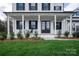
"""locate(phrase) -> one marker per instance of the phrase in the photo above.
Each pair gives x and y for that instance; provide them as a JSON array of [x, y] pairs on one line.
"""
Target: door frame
[[46, 25]]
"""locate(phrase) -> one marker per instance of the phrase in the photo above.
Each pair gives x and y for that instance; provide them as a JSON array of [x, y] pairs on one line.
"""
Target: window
[[32, 24], [20, 6], [58, 25], [19, 24], [45, 6], [32, 6], [57, 7], [77, 13]]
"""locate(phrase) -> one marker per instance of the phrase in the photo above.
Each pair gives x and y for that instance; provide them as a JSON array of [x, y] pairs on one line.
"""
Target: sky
[[7, 7]]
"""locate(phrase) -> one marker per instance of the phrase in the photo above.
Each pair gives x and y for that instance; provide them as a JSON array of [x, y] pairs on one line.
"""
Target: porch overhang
[[65, 13]]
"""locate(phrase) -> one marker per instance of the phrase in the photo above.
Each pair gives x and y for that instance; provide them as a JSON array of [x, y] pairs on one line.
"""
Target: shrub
[[59, 33], [19, 35], [3, 35], [66, 34], [27, 35], [36, 34], [75, 34], [12, 35]]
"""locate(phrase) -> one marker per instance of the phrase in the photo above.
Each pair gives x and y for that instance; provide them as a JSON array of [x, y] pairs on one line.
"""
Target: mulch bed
[[68, 38], [17, 39]]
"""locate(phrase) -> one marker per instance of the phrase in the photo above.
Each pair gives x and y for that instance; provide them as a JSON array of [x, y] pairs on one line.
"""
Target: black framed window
[[45, 6], [57, 7], [19, 24], [20, 6], [33, 24], [58, 25], [32, 6]]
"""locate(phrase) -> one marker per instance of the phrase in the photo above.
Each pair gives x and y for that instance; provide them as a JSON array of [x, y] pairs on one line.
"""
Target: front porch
[[44, 23]]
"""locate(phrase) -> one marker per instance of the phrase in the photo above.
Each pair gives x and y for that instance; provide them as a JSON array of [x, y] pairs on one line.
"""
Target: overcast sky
[[7, 7]]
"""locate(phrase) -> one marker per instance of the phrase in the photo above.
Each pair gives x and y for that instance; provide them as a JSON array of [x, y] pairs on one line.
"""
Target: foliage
[[66, 34], [36, 34], [20, 34], [59, 33], [75, 34], [12, 35], [27, 35], [3, 35]]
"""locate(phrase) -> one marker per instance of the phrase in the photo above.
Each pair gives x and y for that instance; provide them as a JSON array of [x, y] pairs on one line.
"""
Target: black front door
[[45, 26]]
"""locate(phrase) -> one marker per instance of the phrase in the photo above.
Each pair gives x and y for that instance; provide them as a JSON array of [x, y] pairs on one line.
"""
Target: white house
[[45, 18]]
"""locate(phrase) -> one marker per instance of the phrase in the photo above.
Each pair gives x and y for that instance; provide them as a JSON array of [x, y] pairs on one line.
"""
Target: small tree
[[75, 34], [12, 35], [27, 34], [19, 35], [66, 34], [36, 34]]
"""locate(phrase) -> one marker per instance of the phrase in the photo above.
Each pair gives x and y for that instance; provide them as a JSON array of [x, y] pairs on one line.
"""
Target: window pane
[[32, 24], [58, 25], [20, 6], [43, 25], [48, 25], [45, 6], [57, 7], [32, 6]]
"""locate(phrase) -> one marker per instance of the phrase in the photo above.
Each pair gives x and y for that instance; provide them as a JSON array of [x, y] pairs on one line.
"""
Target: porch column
[[55, 23], [39, 25], [14, 28], [23, 26], [8, 28], [71, 25]]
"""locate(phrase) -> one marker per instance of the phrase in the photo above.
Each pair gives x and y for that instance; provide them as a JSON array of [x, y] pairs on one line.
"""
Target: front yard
[[39, 47]]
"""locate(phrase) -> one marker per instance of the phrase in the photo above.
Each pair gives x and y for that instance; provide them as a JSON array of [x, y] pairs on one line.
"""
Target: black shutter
[[29, 6], [48, 6], [36, 6]]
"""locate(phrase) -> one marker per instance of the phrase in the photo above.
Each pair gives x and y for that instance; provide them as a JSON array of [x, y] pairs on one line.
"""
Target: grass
[[40, 48]]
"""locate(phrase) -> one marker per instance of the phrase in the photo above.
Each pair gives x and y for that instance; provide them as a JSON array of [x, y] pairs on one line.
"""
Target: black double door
[[45, 26]]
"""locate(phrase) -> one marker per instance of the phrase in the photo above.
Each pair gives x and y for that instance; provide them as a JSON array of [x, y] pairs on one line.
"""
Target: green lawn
[[39, 48]]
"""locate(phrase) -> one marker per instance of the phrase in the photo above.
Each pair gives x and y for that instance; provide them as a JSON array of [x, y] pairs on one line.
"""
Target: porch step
[[47, 36]]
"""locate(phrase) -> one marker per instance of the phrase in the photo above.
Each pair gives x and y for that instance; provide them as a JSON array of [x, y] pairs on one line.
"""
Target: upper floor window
[[45, 6], [57, 7], [32, 6], [20, 6]]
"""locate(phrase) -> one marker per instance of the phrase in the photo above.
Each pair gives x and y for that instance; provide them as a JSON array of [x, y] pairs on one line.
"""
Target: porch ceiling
[[44, 15]]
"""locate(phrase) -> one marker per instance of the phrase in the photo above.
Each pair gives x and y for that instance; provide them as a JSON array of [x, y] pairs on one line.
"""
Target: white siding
[[39, 8]]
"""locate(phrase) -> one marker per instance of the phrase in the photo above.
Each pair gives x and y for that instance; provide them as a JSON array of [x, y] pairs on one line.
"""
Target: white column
[[8, 28], [23, 26], [55, 23], [39, 25], [70, 24], [14, 28], [51, 26]]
